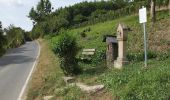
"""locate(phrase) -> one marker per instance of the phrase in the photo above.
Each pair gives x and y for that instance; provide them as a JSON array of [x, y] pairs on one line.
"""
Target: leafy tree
[[15, 36], [42, 10], [79, 19], [33, 15], [2, 41], [85, 13]]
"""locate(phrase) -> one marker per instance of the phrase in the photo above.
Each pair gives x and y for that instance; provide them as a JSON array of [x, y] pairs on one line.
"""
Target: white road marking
[[29, 76]]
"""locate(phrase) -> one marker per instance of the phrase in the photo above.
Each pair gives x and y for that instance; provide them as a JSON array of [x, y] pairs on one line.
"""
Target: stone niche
[[116, 48], [111, 50]]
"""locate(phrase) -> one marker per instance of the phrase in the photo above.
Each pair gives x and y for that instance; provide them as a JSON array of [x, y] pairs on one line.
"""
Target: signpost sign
[[142, 15], [4, 34], [143, 20]]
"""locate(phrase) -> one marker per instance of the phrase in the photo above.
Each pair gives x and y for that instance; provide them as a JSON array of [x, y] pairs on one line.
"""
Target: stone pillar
[[122, 42]]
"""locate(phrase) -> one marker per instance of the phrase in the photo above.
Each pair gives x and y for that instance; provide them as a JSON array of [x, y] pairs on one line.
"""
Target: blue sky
[[16, 11]]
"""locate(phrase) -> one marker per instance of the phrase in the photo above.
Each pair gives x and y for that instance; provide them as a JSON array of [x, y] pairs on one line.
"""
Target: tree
[[79, 19], [153, 11], [33, 15], [2, 40], [43, 9], [15, 36]]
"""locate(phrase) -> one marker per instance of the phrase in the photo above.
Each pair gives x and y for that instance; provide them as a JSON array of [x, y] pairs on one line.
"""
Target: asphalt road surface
[[15, 69]]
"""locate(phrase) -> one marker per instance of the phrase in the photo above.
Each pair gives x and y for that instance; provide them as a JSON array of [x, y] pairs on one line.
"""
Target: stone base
[[119, 63], [110, 65], [68, 80]]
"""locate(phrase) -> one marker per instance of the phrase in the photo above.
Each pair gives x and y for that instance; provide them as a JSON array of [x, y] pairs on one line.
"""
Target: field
[[134, 82]]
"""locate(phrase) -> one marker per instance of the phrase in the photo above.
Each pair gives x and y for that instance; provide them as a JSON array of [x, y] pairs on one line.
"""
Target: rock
[[68, 80], [48, 97], [90, 89]]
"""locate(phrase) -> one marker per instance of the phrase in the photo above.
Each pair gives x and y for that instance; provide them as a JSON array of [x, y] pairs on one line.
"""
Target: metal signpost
[[143, 20]]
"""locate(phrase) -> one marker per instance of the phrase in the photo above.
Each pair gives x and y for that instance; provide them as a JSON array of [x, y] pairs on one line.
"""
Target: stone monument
[[122, 42], [112, 49]]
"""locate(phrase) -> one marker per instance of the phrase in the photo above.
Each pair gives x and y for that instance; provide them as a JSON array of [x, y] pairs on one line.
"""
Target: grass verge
[[47, 75]]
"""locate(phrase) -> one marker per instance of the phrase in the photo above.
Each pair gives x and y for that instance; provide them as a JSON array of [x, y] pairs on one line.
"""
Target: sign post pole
[[143, 20], [145, 43]]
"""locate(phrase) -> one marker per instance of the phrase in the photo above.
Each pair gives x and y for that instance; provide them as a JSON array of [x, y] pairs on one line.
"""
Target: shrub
[[2, 41], [140, 56], [83, 34], [100, 56], [28, 36], [15, 36], [66, 48]]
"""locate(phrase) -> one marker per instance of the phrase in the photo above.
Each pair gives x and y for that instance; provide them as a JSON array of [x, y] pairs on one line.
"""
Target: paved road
[[15, 68]]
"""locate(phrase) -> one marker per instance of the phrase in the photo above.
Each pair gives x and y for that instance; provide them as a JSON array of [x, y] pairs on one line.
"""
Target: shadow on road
[[19, 55]]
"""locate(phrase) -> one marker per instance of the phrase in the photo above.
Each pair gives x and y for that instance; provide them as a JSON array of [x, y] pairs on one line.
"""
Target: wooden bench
[[87, 53]]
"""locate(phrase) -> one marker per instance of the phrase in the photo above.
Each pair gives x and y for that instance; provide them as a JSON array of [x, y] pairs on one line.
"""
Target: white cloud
[[11, 2]]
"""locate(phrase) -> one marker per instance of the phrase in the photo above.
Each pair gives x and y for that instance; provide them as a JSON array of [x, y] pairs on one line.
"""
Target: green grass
[[135, 37], [133, 82]]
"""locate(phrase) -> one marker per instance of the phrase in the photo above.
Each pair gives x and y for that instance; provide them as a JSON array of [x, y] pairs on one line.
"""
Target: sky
[[16, 11]]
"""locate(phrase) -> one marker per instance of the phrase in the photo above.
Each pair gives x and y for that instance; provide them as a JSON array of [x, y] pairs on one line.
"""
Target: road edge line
[[31, 72]]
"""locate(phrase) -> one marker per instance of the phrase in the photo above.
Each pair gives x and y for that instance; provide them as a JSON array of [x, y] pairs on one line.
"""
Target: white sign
[[4, 34], [142, 15]]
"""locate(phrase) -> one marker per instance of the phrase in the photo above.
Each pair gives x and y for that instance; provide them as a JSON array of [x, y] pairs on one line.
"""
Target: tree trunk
[[153, 11]]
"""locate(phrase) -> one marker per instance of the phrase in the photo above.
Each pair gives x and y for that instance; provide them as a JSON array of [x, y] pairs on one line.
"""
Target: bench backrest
[[88, 51]]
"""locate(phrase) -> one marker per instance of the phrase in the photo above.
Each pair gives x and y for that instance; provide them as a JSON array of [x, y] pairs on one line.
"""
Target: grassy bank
[[133, 82], [157, 35], [137, 83], [47, 75]]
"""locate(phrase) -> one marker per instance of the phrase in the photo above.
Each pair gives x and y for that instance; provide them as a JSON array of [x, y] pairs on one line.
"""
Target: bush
[[100, 56], [140, 56], [28, 36], [83, 34], [2, 41], [15, 37], [66, 48]]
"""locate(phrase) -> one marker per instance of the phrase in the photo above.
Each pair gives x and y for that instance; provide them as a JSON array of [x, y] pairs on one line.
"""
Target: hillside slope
[[133, 82], [158, 36]]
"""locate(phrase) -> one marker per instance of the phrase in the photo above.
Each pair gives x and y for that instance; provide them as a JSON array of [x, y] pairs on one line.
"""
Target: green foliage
[[82, 14], [42, 10], [100, 55], [15, 36], [28, 36], [70, 93], [135, 83], [66, 48], [79, 19], [38, 30], [83, 33], [2, 41], [140, 56]]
